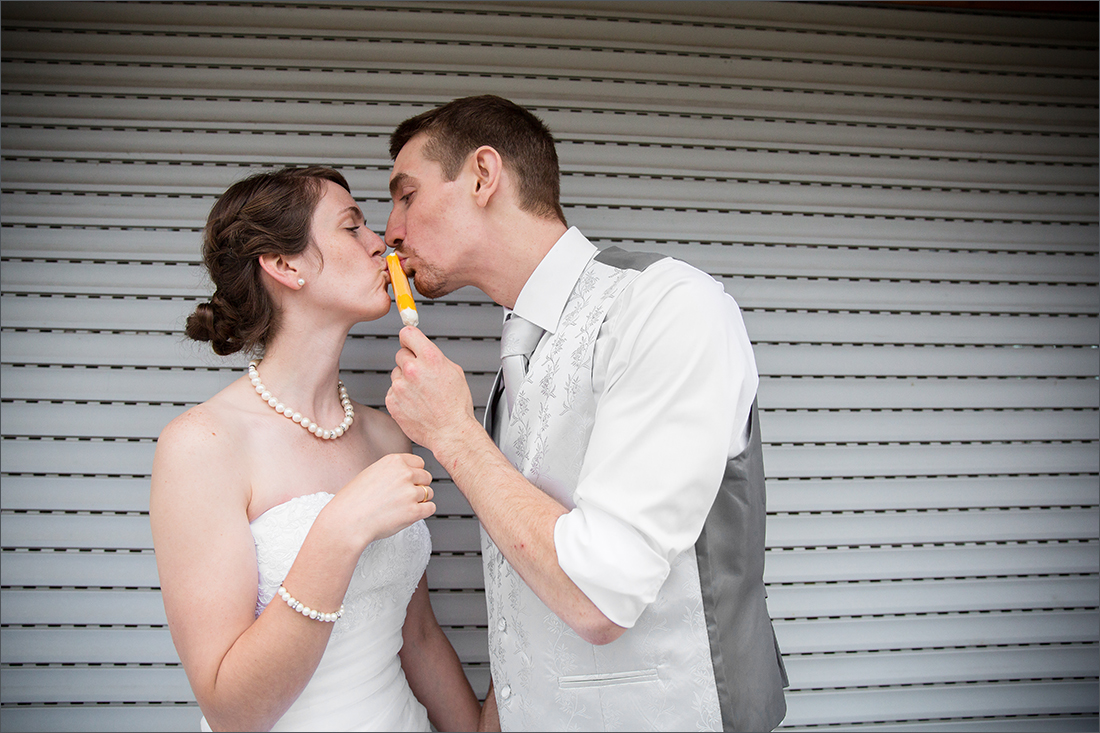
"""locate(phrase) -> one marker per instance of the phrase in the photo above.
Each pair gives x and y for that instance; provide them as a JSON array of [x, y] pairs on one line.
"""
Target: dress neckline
[[285, 503]]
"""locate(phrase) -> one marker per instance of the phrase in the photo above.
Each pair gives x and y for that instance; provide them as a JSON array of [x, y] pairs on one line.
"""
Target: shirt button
[[505, 692], [501, 625]]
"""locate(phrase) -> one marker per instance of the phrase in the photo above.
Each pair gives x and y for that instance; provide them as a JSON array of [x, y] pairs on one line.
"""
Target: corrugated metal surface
[[902, 199]]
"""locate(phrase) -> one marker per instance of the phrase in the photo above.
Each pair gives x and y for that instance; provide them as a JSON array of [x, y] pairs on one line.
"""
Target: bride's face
[[348, 276]]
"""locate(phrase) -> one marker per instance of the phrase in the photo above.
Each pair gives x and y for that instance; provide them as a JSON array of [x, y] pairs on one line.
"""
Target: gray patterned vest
[[702, 656]]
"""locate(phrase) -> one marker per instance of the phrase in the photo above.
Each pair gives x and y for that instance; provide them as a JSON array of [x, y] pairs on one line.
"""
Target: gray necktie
[[517, 341]]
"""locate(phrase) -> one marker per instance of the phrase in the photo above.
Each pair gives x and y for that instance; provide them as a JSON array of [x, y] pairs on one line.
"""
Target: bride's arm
[[246, 671], [490, 716], [433, 669]]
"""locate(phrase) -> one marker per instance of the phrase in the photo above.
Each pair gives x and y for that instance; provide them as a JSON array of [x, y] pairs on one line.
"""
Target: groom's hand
[[428, 395]]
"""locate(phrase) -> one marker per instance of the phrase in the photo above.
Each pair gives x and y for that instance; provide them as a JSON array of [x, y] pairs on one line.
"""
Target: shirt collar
[[543, 297]]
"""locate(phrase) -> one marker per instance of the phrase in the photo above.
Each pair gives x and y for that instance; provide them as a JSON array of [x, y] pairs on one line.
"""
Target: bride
[[288, 525]]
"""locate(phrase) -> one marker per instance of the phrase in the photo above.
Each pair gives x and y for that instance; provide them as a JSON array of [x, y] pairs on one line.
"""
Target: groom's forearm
[[520, 518], [430, 400]]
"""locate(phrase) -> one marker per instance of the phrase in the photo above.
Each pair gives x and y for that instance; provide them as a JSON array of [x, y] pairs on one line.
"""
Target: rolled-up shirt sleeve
[[675, 379]]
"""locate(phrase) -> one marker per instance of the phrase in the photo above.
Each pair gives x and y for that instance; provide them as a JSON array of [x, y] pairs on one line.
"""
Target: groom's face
[[428, 226]]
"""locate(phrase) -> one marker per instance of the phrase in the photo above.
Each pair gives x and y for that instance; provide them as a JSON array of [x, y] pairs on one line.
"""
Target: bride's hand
[[386, 497]]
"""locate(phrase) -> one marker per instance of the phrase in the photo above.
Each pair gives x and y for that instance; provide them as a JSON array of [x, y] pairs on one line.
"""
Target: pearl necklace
[[305, 422]]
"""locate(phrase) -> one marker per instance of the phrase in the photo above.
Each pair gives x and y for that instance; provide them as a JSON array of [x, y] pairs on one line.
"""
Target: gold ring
[[425, 496]]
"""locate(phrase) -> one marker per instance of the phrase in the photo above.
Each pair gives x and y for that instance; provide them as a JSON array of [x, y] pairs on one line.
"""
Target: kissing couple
[[617, 476]]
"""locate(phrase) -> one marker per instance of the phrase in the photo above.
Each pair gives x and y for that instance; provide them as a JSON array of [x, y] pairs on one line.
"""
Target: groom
[[623, 512]]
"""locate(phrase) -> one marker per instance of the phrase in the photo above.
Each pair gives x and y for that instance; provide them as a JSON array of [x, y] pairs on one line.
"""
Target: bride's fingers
[[412, 459]]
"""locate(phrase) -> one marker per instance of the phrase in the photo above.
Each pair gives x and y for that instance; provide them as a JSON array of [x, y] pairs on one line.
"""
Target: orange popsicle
[[402, 293]]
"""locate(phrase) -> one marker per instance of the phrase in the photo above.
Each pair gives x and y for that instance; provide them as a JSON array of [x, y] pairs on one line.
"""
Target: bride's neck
[[303, 370]]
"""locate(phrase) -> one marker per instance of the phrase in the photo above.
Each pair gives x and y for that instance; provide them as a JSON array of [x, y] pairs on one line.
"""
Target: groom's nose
[[395, 230]]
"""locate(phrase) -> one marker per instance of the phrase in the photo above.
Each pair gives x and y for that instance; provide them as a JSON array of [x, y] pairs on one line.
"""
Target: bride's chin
[[378, 309]]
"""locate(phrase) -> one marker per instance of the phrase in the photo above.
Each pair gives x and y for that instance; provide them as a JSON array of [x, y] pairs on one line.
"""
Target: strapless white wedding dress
[[359, 683]]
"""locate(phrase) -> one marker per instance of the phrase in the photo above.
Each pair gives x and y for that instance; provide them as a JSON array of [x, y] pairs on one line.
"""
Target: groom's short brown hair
[[460, 127]]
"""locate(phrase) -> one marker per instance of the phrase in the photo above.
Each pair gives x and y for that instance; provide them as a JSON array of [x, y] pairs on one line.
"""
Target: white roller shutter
[[902, 198]]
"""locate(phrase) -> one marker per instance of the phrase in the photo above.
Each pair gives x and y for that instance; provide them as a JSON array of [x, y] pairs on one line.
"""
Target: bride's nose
[[377, 244]]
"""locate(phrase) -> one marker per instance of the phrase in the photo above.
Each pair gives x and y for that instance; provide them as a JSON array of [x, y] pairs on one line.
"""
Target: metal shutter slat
[[809, 495], [145, 607], [975, 557], [925, 667], [151, 717], [993, 702], [801, 426], [931, 596], [915, 632]]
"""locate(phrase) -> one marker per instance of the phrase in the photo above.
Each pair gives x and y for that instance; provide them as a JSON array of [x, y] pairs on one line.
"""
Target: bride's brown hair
[[267, 213]]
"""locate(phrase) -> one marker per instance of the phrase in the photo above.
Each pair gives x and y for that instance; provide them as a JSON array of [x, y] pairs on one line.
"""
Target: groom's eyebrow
[[397, 182]]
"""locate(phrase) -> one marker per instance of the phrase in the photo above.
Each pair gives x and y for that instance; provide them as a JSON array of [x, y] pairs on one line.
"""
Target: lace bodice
[[359, 683], [385, 577]]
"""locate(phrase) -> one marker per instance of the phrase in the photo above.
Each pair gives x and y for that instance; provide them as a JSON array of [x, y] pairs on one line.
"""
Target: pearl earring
[[301, 282]]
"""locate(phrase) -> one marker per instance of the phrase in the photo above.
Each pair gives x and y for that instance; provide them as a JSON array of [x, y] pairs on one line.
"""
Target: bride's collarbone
[[291, 466]]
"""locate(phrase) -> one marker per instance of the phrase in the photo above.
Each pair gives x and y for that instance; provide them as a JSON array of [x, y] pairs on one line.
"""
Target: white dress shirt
[[675, 379]]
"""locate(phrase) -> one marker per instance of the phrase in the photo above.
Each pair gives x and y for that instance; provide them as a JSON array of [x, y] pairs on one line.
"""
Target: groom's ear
[[488, 174], [282, 269]]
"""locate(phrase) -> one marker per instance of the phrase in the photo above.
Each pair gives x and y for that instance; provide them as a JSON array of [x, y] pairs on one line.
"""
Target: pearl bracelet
[[308, 612]]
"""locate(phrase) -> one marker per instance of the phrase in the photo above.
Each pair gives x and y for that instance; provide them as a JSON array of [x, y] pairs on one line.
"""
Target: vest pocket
[[606, 680]]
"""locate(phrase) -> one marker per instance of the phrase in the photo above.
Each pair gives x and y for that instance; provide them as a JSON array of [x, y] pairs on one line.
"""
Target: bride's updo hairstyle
[[267, 213]]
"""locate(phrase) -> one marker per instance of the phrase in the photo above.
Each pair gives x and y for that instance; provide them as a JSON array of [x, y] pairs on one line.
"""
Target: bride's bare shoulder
[[207, 443], [206, 422]]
